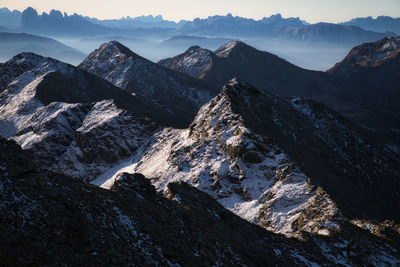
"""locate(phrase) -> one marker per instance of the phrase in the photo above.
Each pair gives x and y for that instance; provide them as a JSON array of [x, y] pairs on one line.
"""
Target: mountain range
[[250, 159], [313, 46], [275, 26], [379, 24]]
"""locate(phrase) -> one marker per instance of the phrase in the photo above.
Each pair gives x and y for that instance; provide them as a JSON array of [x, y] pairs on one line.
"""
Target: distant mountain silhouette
[[137, 22], [10, 19], [380, 24], [56, 23], [273, 28], [280, 29]]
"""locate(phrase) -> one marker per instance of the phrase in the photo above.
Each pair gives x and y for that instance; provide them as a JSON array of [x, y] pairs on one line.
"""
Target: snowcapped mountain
[[135, 74], [71, 120], [196, 62], [290, 166], [346, 93]]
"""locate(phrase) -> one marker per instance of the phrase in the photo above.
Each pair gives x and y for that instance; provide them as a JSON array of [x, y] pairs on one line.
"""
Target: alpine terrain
[[227, 158]]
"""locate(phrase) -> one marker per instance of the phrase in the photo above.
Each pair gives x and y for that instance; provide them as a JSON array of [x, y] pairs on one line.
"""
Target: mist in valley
[[313, 57]]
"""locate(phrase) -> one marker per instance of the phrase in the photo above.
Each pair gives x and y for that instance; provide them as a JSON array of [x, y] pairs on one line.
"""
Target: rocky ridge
[[287, 165]]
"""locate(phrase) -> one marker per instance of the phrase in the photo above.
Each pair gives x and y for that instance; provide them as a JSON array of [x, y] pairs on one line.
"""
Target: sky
[[309, 10]]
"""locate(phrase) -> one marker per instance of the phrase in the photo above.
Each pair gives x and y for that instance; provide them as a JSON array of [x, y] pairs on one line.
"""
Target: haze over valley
[[315, 46]]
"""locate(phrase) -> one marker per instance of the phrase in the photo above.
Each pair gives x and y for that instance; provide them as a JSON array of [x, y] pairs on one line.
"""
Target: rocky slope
[[135, 74], [49, 219], [290, 166], [269, 72], [71, 120]]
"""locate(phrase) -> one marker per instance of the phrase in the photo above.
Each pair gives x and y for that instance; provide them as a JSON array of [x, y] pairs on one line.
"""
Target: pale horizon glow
[[310, 10]]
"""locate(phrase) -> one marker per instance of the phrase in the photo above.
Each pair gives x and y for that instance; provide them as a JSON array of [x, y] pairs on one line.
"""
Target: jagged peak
[[28, 56], [118, 46], [28, 61], [196, 49], [235, 85], [226, 49], [35, 59], [112, 49]]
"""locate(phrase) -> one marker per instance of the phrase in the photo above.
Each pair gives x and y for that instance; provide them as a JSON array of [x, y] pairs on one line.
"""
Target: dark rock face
[[49, 218]]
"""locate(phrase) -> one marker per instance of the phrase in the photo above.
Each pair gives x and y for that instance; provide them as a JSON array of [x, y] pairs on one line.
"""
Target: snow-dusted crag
[[56, 111], [196, 61], [135, 74], [282, 164]]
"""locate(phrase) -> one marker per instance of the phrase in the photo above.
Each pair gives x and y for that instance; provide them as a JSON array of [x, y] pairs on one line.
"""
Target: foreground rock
[[52, 219]]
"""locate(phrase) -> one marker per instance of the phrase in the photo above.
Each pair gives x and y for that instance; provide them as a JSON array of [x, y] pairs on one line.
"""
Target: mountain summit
[[135, 74]]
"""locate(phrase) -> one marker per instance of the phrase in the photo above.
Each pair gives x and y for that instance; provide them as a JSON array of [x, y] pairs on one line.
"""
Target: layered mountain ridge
[[344, 93]]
